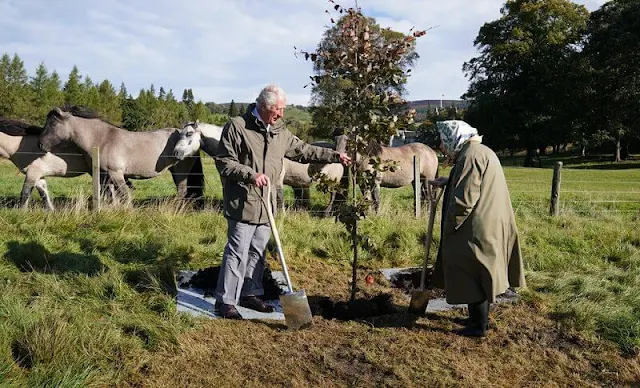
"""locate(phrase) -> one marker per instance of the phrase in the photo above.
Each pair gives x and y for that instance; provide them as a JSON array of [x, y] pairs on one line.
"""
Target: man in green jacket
[[249, 157]]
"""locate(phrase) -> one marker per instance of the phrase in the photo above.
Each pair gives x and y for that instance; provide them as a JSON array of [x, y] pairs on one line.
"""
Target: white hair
[[270, 95]]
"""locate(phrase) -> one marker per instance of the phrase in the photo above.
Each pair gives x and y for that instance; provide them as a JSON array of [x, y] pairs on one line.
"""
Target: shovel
[[420, 298], [295, 304]]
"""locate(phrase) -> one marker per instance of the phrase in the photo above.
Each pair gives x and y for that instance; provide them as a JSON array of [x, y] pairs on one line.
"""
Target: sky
[[231, 49]]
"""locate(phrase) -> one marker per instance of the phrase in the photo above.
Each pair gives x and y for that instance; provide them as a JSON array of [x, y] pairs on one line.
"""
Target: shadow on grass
[[32, 256], [609, 166], [576, 161]]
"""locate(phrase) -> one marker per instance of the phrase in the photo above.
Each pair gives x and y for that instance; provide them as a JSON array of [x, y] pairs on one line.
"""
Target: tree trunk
[[583, 151], [618, 148], [530, 159], [626, 151]]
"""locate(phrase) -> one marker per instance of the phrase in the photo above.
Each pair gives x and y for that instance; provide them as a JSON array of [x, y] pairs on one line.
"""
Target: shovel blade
[[297, 312], [419, 302]]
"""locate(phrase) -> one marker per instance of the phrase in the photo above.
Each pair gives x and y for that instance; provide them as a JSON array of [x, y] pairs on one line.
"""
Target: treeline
[[30, 98], [550, 73]]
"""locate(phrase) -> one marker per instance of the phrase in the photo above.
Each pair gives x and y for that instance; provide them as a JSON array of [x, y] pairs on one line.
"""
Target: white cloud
[[225, 49]]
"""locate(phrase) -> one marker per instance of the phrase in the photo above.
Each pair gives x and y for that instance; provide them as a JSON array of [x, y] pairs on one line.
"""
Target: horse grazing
[[402, 156], [124, 154]]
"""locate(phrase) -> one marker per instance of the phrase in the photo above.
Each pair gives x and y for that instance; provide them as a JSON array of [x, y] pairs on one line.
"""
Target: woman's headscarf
[[454, 133]]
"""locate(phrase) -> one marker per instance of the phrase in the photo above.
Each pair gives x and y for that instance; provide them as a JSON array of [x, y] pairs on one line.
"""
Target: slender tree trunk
[[618, 148]]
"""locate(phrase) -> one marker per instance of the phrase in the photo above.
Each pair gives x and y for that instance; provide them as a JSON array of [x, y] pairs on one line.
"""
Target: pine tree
[[14, 93], [73, 90], [233, 110], [45, 94], [123, 94], [110, 102]]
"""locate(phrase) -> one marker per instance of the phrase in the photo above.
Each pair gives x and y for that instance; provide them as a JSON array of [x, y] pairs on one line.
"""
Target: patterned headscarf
[[454, 133]]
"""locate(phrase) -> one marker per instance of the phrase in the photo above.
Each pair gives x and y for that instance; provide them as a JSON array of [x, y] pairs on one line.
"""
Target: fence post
[[555, 189], [416, 186], [95, 174]]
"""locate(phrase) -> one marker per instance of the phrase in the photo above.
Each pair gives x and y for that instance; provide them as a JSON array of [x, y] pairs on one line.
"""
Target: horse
[[124, 154], [302, 175], [402, 156], [196, 135], [19, 144]]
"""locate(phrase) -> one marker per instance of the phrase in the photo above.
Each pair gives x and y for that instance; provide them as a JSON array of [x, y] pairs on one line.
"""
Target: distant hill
[[417, 104], [432, 104]]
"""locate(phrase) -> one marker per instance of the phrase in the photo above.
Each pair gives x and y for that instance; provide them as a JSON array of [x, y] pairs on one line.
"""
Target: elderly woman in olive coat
[[479, 254]]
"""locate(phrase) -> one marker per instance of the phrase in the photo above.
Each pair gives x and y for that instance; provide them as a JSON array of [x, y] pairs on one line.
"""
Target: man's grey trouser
[[243, 262]]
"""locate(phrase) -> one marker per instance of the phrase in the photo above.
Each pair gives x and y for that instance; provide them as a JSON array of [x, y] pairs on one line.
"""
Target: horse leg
[[306, 197], [41, 186], [188, 177], [329, 209], [25, 193], [121, 188], [280, 198], [376, 198], [298, 195]]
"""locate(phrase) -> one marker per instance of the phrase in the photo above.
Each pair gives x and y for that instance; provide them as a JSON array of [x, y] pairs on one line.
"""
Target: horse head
[[56, 129], [189, 142]]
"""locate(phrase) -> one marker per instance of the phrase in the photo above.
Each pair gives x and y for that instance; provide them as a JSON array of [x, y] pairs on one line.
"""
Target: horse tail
[[195, 183]]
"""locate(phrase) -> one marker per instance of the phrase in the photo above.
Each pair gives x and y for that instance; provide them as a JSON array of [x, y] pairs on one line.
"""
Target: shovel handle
[[276, 236], [433, 203]]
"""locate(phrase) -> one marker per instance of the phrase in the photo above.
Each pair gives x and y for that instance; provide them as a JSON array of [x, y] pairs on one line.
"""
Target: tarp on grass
[[193, 300]]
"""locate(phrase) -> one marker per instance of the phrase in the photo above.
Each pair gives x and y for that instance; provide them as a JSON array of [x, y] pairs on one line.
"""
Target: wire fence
[[602, 194]]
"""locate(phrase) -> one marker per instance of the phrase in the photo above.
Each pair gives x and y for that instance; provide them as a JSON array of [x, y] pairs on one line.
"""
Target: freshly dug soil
[[410, 281], [358, 309], [207, 279]]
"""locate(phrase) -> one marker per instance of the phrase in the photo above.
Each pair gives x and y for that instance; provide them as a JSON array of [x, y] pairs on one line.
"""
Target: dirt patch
[[361, 308], [524, 348], [207, 279], [409, 281]]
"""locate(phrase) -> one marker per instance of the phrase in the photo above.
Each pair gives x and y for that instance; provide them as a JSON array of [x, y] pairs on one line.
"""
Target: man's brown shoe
[[255, 303], [227, 311]]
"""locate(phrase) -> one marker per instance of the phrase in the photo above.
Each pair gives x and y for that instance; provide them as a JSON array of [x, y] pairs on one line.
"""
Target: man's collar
[[255, 113]]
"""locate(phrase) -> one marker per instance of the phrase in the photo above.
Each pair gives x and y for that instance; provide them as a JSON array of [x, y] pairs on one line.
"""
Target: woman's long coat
[[479, 254]]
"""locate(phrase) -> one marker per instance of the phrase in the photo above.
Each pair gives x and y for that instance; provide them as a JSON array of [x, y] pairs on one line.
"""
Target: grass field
[[87, 299]]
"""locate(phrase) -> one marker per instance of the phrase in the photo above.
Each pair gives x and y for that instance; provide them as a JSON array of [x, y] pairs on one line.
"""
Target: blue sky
[[230, 49]]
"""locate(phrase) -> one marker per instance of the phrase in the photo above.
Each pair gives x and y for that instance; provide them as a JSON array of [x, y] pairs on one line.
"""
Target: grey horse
[[301, 176], [196, 135], [402, 156], [124, 154], [19, 144]]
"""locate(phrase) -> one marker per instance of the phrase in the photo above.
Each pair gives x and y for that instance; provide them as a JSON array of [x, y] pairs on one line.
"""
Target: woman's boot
[[478, 320]]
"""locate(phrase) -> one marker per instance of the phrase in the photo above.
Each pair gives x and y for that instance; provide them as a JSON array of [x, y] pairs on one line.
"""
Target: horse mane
[[81, 111], [78, 111], [18, 128]]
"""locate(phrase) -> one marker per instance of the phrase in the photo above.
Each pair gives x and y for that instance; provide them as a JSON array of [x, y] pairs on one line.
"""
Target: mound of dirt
[[206, 280]]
